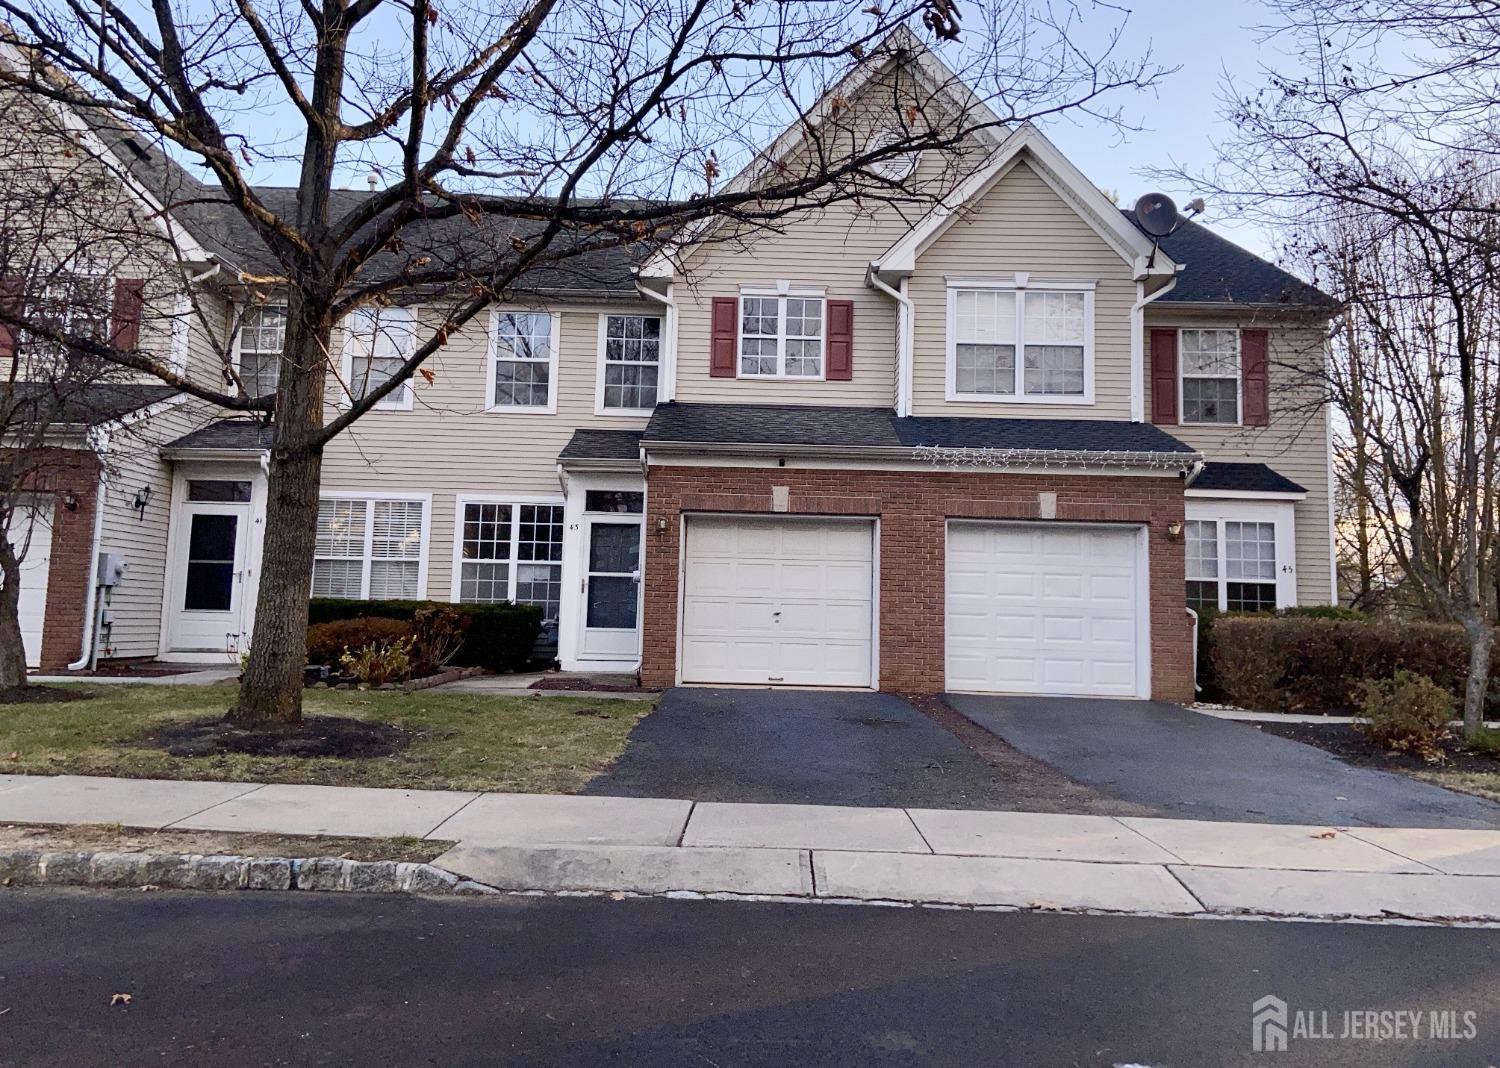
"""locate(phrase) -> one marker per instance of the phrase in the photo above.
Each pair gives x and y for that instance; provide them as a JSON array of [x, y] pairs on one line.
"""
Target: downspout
[[86, 660], [1194, 617], [1138, 347], [670, 347], [904, 338]]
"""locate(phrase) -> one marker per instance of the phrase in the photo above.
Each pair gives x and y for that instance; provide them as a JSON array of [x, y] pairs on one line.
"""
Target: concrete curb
[[192, 871]]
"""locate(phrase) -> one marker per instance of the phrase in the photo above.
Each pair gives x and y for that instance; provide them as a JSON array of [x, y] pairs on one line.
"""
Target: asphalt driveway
[[1192, 766], [821, 748]]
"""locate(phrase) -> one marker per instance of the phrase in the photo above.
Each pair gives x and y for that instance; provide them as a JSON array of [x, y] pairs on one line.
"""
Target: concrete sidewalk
[[1015, 859]]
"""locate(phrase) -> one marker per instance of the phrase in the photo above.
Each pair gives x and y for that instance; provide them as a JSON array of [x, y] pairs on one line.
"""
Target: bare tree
[[509, 140]]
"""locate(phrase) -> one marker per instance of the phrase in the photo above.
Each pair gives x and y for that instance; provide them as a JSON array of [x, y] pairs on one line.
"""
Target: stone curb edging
[[193, 871]]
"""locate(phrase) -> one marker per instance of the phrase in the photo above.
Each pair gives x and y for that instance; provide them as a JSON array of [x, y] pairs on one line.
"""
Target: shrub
[[437, 635], [1289, 663], [327, 642], [1320, 611], [379, 662], [1408, 713], [499, 637]]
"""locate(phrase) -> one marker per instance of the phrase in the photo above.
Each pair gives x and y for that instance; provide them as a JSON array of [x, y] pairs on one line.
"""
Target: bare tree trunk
[[271, 689], [1481, 644], [12, 653]]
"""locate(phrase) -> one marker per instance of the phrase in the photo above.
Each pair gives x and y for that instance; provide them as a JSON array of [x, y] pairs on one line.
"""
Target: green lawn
[[466, 741]]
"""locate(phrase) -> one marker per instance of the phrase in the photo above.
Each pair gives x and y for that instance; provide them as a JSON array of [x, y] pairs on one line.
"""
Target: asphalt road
[[339, 979]]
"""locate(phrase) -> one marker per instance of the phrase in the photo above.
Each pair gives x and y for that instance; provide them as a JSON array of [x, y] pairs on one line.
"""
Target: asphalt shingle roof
[[250, 435], [602, 445], [82, 405], [1217, 271], [1245, 478], [813, 425]]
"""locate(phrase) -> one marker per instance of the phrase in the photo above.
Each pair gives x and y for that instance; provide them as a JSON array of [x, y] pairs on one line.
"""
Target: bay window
[[1020, 342], [511, 552], [369, 548]]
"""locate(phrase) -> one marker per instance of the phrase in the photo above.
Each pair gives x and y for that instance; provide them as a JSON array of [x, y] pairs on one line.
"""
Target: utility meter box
[[111, 569]]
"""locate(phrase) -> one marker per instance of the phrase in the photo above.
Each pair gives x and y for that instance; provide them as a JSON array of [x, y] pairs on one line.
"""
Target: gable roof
[[1055, 169]]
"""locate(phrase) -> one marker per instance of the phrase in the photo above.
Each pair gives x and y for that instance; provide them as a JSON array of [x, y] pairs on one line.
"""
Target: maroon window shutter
[[129, 300], [11, 287], [840, 341], [1255, 366], [1164, 376], [723, 348]]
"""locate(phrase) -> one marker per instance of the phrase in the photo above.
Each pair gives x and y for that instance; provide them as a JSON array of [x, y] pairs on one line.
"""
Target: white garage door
[[1044, 609], [779, 601], [35, 564]]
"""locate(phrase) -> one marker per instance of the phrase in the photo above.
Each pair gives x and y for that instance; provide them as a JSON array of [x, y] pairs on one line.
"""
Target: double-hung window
[[76, 302], [262, 337], [511, 552], [781, 336], [1210, 376], [523, 361], [1231, 565], [630, 362], [377, 342], [369, 548], [1015, 343]]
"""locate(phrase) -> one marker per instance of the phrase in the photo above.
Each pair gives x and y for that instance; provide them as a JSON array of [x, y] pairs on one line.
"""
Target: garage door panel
[[801, 589], [31, 526], [1048, 610]]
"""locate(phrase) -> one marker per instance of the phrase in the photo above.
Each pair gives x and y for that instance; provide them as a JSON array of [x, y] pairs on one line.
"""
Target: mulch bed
[[41, 695], [555, 682], [1345, 741], [315, 736]]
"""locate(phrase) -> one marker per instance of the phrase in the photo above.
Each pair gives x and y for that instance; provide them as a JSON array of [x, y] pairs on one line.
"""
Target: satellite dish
[[1156, 214]]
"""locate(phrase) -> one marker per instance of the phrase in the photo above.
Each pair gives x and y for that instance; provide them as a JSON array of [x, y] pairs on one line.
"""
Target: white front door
[[208, 578], [1042, 608], [612, 589], [777, 601], [31, 527]]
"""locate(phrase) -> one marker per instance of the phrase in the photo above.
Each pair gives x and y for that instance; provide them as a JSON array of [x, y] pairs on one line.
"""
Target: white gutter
[[937, 455], [1138, 347], [905, 337], [669, 353]]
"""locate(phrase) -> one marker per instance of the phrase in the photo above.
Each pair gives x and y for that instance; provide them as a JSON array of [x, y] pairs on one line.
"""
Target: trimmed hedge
[[1303, 662], [500, 636]]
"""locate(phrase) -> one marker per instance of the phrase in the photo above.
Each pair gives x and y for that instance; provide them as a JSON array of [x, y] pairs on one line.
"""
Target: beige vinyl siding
[[829, 250], [1021, 224], [449, 446], [1294, 444], [132, 463]]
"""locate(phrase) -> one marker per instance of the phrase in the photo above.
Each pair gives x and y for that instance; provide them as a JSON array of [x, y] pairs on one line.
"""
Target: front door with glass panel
[[209, 568], [612, 588]]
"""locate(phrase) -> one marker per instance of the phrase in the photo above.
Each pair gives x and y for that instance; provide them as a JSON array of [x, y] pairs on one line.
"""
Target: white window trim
[[492, 359], [661, 352], [780, 293], [1018, 284], [399, 400], [461, 502], [370, 497], [1281, 514], [1239, 377], [239, 333]]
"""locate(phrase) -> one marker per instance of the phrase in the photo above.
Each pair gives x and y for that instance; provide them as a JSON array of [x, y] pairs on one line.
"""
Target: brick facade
[[67, 475], [913, 509]]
